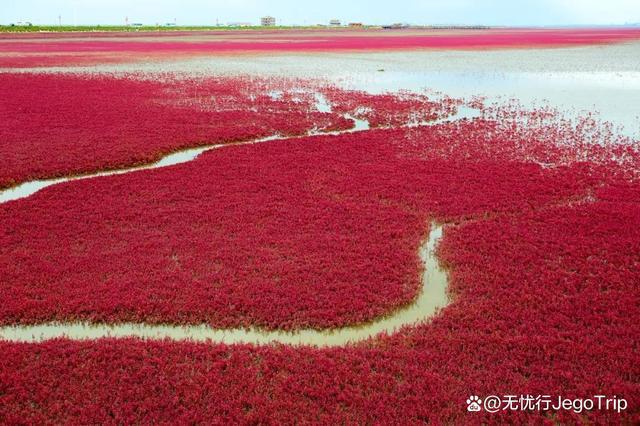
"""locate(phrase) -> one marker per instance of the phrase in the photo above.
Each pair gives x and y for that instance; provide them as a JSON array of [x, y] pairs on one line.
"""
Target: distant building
[[334, 22], [136, 24], [239, 24], [396, 26], [268, 21], [355, 25]]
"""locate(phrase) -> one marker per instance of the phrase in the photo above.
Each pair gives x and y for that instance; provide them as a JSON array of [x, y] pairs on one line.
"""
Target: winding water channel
[[29, 188], [432, 295], [431, 298]]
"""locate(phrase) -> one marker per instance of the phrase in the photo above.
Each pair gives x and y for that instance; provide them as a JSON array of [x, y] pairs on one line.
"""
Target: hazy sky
[[488, 12]]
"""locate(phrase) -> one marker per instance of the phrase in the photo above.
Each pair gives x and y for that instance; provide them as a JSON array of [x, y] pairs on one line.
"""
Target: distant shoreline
[[166, 28], [195, 28]]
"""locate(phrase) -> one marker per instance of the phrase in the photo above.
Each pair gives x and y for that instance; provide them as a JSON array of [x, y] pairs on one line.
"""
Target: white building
[[268, 21]]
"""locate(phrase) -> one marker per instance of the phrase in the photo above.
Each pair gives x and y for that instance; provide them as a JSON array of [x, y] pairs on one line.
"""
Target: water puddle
[[431, 298], [275, 94], [360, 124], [322, 104]]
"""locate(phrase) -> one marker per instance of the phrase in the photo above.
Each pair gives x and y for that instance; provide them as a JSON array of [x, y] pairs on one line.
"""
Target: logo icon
[[473, 404]]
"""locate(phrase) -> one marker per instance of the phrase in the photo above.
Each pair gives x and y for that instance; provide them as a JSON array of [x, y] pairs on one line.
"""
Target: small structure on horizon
[[268, 21], [396, 26], [335, 23], [356, 25]]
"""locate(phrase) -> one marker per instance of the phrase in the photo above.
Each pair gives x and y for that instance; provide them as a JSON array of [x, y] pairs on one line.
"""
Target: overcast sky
[[487, 12]]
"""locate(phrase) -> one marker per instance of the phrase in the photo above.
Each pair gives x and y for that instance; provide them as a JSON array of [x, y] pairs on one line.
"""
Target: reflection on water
[[432, 297], [611, 94]]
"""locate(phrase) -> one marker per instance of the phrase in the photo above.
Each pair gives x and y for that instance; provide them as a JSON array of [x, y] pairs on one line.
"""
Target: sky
[[301, 12]]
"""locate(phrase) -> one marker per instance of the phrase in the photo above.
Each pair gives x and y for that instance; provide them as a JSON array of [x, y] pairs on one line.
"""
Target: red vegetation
[[389, 110], [543, 249], [545, 303], [57, 125], [313, 232], [74, 49]]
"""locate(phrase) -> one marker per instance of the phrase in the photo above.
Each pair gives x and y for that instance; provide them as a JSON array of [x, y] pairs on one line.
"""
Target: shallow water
[[604, 78], [431, 298], [322, 104], [613, 95]]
